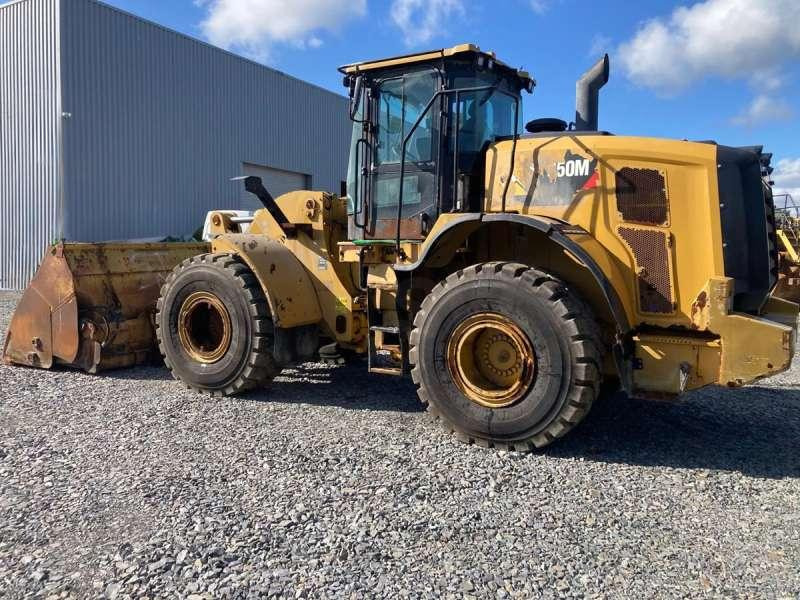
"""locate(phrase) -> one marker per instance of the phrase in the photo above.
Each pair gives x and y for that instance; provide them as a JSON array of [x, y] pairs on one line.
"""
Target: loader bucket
[[91, 306]]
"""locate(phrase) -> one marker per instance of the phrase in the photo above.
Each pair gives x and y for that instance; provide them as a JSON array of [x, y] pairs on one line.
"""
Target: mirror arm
[[356, 89]]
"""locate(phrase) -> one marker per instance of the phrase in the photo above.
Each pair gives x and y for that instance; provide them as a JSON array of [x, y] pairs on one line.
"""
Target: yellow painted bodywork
[[693, 230], [788, 286], [786, 246], [290, 292], [698, 340], [410, 59], [300, 269], [670, 364], [752, 347], [91, 305], [744, 348], [739, 348]]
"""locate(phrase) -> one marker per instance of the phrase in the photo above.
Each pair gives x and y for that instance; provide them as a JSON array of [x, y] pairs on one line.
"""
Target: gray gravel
[[333, 483]]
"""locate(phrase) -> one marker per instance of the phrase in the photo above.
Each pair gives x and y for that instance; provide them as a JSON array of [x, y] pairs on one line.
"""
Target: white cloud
[[253, 26], [540, 6], [787, 177], [767, 80], [763, 108], [421, 20], [733, 39]]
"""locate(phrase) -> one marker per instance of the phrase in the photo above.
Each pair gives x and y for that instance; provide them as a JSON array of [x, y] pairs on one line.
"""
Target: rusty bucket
[[91, 306]]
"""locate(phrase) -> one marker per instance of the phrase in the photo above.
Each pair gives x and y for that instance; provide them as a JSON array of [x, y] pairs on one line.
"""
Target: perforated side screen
[[652, 257], [642, 196]]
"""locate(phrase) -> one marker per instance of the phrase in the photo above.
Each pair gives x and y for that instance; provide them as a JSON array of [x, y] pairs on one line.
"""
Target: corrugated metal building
[[113, 127]]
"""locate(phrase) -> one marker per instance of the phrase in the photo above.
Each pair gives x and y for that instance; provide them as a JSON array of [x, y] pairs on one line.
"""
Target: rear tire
[[213, 326], [526, 364]]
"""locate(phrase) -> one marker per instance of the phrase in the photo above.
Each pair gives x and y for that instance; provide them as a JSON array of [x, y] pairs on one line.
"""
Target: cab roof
[[419, 57]]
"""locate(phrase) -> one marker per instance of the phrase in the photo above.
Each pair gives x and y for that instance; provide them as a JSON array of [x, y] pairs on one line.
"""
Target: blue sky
[[727, 70]]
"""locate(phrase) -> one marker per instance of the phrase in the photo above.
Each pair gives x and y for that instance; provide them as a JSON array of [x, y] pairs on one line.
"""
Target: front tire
[[213, 326], [505, 356]]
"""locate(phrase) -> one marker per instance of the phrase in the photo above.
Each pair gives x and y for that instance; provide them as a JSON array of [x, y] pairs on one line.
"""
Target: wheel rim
[[204, 327], [491, 360]]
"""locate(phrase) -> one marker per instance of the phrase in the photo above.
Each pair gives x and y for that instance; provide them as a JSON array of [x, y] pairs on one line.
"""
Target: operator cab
[[425, 120]]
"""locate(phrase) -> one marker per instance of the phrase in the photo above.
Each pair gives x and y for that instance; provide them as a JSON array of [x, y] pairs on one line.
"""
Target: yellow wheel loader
[[509, 272], [787, 213]]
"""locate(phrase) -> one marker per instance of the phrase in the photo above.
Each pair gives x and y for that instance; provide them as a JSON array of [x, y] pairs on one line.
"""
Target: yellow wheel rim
[[204, 327], [491, 360]]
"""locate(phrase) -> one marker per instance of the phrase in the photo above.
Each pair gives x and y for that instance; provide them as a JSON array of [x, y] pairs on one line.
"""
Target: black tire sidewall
[[223, 284], [515, 299]]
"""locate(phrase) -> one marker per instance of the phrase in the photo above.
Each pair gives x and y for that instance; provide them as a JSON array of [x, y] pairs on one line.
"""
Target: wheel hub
[[491, 360], [204, 327]]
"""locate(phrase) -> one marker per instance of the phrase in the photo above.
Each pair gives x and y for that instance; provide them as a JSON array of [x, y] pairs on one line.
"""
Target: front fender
[[287, 285]]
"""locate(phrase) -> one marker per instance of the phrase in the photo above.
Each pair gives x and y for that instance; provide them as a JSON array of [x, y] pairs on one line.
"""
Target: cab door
[[406, 142]]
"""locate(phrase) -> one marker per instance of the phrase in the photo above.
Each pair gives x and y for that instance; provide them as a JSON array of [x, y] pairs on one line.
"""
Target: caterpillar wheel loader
[[509, 273], [787, 213]]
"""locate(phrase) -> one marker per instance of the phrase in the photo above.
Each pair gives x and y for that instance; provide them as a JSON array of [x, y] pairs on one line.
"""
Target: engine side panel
[[651, 204]]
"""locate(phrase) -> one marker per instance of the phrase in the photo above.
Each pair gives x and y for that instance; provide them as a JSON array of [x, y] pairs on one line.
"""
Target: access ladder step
[[385, 329], [386, 370]]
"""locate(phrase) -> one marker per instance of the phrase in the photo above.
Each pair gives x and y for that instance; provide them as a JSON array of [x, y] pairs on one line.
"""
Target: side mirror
[[356, 87]]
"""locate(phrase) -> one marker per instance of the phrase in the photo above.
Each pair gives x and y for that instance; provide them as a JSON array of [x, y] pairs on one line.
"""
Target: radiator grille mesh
[[642, 196], [652, 258]]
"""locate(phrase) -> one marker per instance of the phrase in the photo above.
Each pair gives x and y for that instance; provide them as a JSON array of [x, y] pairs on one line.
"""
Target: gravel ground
[[333, 483]]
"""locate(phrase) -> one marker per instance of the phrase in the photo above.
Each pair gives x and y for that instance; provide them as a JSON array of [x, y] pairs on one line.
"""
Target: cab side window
[[401, 104]]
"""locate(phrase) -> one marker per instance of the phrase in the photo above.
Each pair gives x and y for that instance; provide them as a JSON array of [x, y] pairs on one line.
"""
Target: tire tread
[[260, 366], [587, 350]]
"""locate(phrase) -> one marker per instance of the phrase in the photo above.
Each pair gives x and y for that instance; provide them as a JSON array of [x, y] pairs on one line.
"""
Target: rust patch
[[386, 229], [697, 308]]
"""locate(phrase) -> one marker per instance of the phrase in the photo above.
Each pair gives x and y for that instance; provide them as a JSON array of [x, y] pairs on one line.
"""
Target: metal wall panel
[[160, 122], [29, 117]]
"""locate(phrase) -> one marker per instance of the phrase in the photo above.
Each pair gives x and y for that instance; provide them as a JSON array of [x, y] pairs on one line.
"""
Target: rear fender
[[287, 285], [461, 226], [464, 225]]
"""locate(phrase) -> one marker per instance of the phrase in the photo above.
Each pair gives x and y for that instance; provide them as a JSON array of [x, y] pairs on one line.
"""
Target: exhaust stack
[[587, 94]]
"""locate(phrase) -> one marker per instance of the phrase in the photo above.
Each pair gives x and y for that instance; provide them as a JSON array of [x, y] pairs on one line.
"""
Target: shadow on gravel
[[753, 430], [349, 386], [154, 372]]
